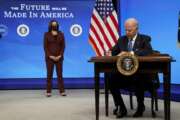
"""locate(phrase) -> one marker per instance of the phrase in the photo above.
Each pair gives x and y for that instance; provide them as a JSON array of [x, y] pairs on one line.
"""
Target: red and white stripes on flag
[[104, 28]]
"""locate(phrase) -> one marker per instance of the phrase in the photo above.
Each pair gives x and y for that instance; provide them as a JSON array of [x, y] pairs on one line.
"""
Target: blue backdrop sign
[[22, 26], [23, 23]]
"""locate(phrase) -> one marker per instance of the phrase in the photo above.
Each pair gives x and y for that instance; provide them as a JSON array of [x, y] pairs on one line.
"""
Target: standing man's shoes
[[121, 112], [139, 112]]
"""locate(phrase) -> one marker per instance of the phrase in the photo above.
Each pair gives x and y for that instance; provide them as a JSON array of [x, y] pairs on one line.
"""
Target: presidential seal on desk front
[[127, 63]]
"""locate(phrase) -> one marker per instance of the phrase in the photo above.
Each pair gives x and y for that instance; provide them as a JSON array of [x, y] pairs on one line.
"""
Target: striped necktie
[[130, 45]]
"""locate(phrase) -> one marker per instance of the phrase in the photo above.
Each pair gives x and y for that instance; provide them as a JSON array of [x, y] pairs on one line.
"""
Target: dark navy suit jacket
[[141, 46]]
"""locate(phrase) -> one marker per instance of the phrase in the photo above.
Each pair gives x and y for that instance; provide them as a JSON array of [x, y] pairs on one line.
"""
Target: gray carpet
[[78, 105]]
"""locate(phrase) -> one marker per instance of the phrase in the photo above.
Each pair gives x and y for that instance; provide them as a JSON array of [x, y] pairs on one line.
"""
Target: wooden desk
[[147, 64]]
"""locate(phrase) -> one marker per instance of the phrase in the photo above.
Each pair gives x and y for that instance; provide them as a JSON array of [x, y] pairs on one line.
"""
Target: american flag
[[103, 33]]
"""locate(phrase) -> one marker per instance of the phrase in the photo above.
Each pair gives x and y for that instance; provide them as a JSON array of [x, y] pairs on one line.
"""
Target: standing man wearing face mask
[[140, 45], [54, 45]]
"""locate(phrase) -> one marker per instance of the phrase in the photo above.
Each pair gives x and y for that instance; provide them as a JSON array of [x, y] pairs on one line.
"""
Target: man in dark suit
[[140, 45]]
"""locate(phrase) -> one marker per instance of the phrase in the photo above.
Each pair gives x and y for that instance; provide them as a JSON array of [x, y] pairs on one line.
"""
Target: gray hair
[[132, 20]]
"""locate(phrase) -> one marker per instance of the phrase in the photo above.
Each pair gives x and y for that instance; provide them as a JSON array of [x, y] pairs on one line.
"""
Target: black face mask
[[54, 28]]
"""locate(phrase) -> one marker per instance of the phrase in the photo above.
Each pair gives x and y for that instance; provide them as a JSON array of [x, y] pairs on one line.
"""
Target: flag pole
[[178, 31]]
